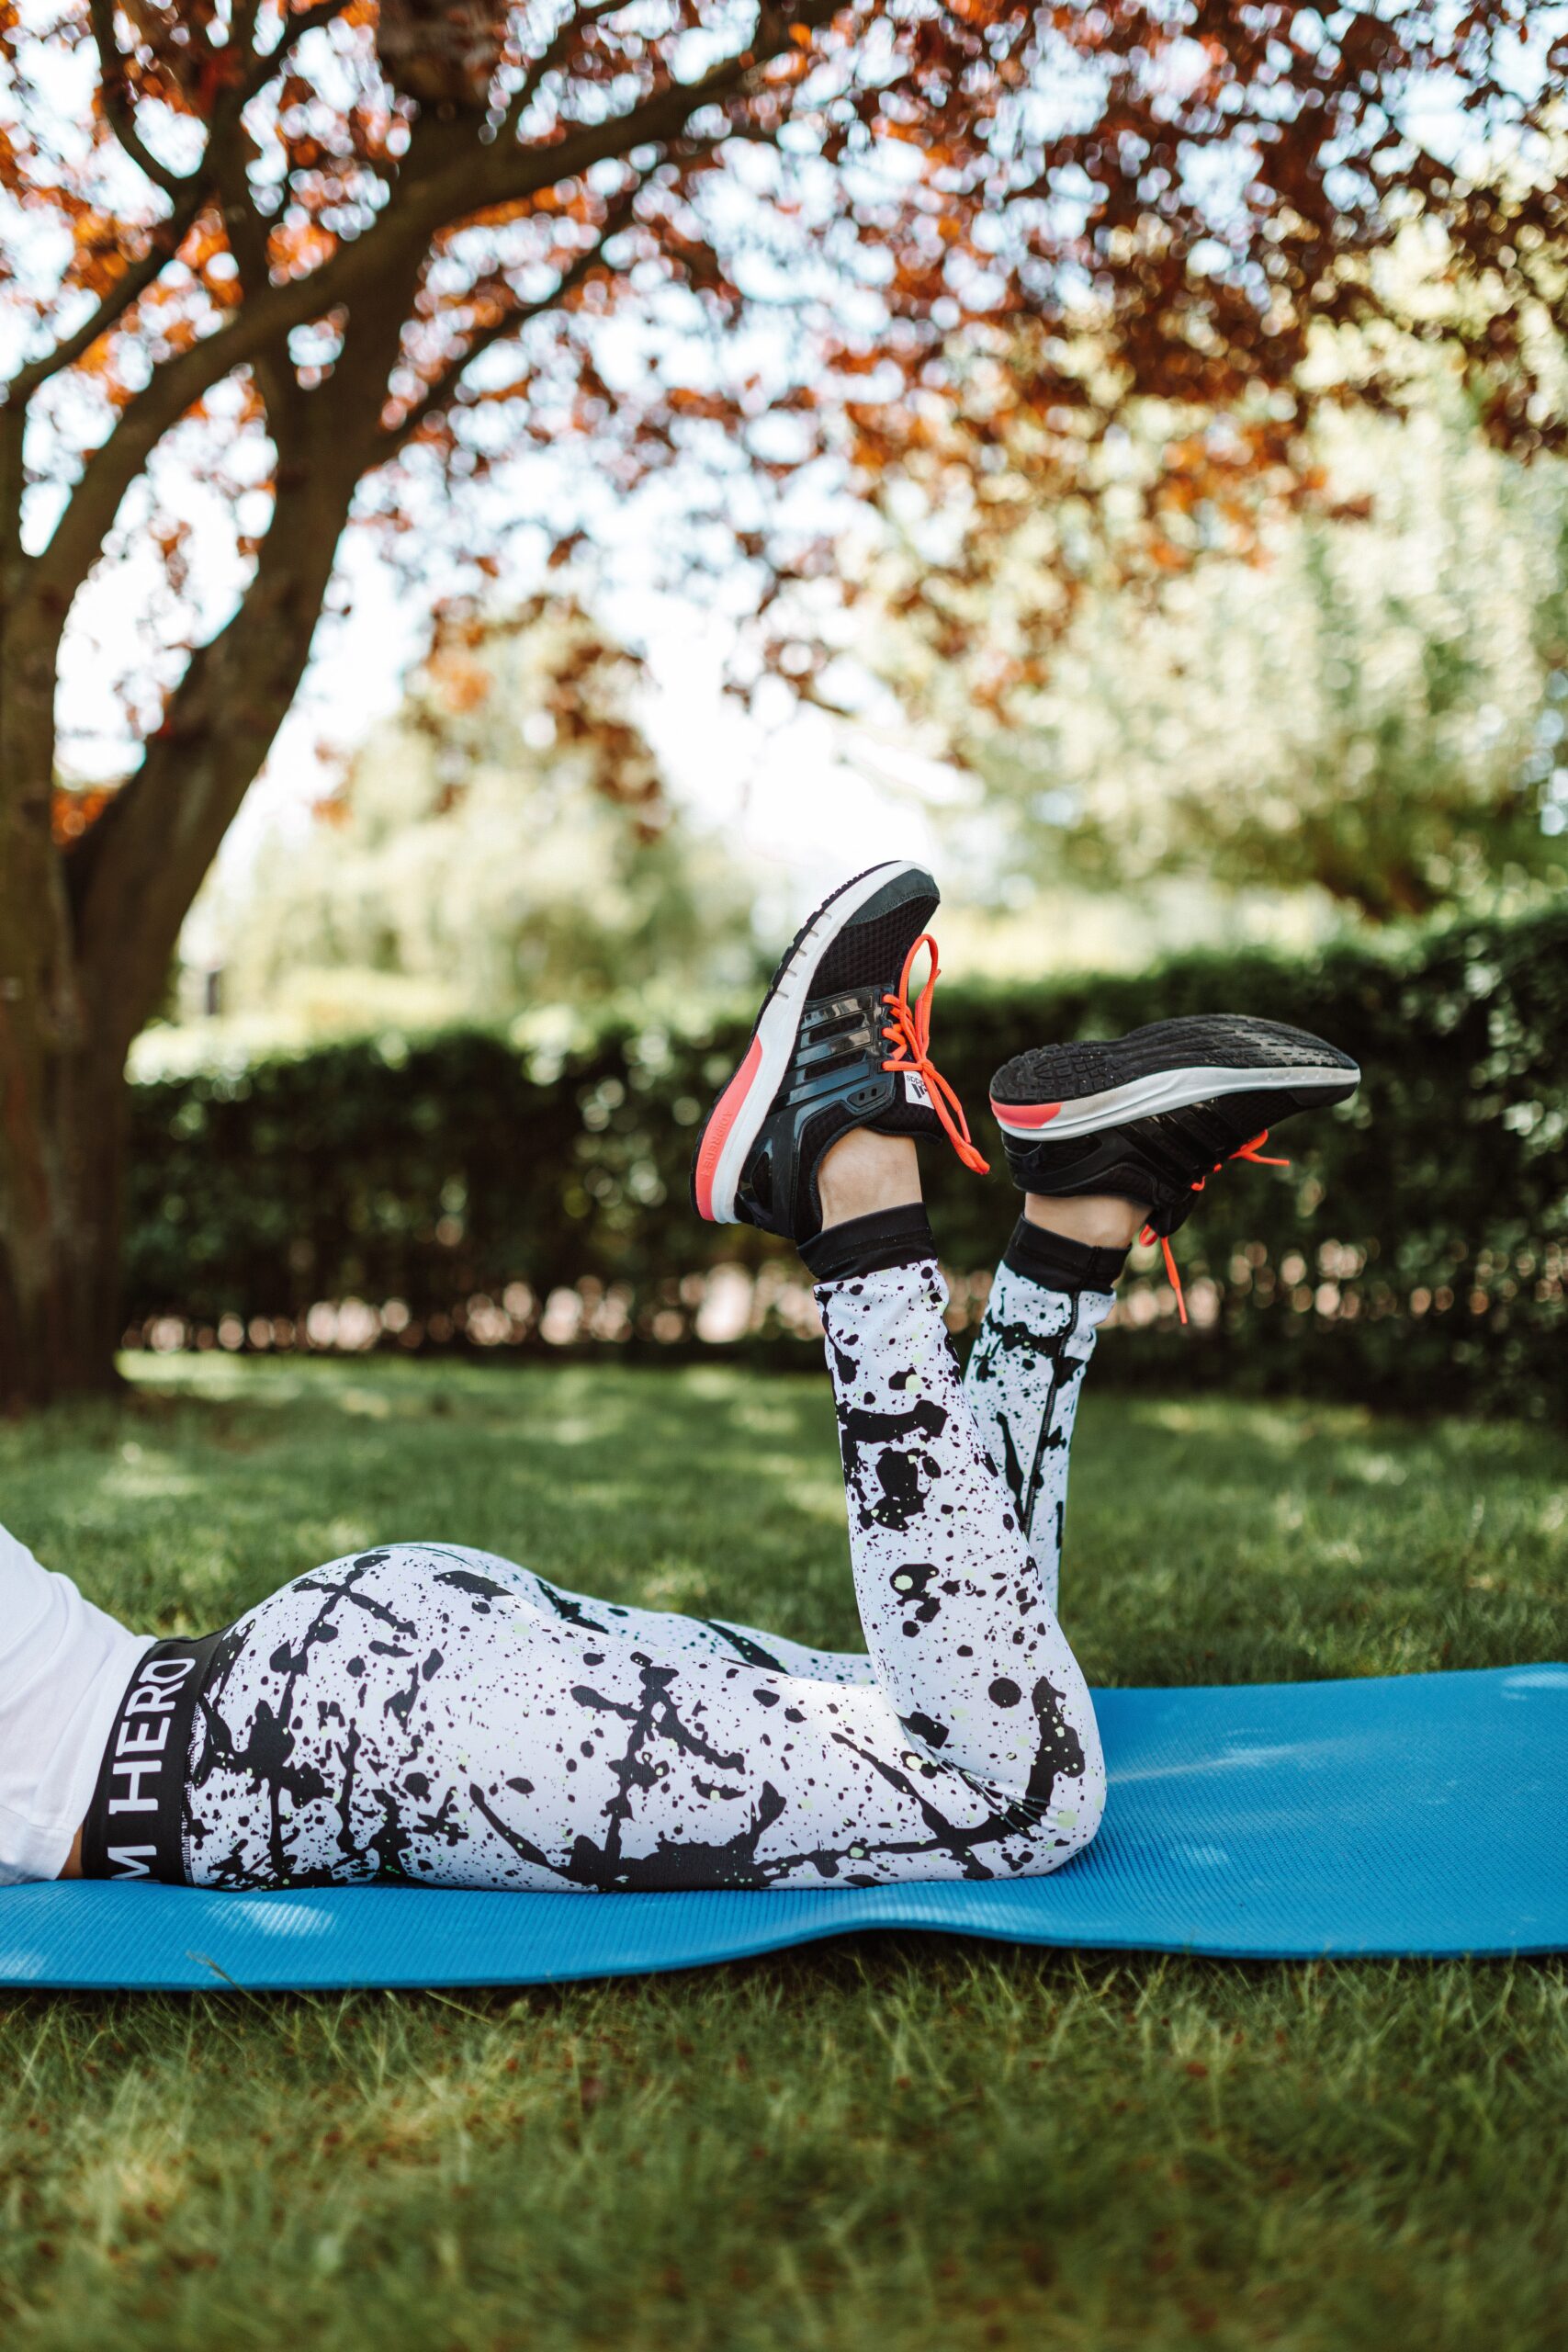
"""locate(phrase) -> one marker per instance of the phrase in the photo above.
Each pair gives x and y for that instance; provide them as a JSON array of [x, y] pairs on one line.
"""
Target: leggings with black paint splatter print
[[437, 1715]]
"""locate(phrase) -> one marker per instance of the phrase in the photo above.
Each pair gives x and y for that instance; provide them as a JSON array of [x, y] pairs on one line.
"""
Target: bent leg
[[965, 1645], [670, 1632], [418, 1713], [1025, 1373]]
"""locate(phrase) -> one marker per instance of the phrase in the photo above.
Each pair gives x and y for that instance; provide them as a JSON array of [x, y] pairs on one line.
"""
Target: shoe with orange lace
[[837, 1044], [1153, 1115]]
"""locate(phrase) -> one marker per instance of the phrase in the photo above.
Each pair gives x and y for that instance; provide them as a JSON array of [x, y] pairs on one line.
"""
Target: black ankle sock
[[865, 1245], [1061, 1264]]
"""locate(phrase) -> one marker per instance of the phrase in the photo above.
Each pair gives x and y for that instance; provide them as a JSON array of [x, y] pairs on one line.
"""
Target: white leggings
[[437, 1715]]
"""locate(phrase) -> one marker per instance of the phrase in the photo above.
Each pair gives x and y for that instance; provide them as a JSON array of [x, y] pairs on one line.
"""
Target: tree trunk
[[62, 1113], [86, 941], [62, 1117], [62, 1175]]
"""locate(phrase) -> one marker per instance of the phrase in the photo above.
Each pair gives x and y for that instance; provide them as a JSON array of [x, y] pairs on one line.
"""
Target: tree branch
[[384, 446], [13, 563], [134, 874], [555, 50], [243, 225], [243, 24], [247, 232], [421, 204], [358, 381], [511, 172], [441, 393], [247, 229], [117, 103], [265, 68], [255, 332], [165, 240]]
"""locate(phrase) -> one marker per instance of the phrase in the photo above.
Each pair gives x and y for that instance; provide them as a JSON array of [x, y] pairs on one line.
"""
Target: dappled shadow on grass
[[700, 1489], [892, 2141], [1210, 1541], [1207, 1540]]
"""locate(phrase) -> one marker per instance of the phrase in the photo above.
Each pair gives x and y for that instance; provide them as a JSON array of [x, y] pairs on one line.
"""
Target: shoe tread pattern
[[1224, 1040]]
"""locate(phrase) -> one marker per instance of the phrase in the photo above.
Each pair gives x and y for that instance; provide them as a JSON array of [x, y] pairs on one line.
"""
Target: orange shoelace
[[1244, 1152], [910, 1032]]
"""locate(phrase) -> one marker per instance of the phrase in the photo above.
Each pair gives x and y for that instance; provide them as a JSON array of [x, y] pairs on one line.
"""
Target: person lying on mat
[[435, 1716]]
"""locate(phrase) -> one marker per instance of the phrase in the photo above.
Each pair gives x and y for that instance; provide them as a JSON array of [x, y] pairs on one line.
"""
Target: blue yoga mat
[[1423, 1814]]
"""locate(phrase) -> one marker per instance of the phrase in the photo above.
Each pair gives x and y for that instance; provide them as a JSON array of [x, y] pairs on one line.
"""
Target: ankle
[[1099, 1220], [863, 1173]]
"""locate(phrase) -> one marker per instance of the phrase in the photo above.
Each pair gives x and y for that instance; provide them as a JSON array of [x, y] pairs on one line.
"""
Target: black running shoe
[[837, 1046], [1153, 1115]]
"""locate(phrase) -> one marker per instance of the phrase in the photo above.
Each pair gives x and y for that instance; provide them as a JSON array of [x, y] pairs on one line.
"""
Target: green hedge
[[1416, 1252]]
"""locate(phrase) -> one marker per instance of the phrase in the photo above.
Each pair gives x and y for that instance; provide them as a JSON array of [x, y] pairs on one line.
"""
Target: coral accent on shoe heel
[[1014, 1115], [726, 1111]]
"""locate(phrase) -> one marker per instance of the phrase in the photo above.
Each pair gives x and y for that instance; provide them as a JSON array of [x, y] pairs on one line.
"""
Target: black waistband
[[133, 1824]]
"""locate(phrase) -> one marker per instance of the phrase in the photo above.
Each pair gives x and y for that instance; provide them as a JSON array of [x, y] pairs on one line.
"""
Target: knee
[[1075, 1820]]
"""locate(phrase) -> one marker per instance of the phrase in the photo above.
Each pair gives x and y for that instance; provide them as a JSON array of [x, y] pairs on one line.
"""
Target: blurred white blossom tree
[[504, 841], [1370, 701]]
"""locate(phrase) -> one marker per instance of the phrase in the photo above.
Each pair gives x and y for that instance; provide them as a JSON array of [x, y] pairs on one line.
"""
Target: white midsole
[[777, 1028], [1169, 1090]]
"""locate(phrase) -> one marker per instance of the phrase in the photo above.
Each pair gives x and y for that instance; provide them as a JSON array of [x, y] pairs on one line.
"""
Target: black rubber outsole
[[1222, 1040]]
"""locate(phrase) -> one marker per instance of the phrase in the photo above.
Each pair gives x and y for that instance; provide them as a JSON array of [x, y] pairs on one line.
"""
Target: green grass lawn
[[894, 2142]]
